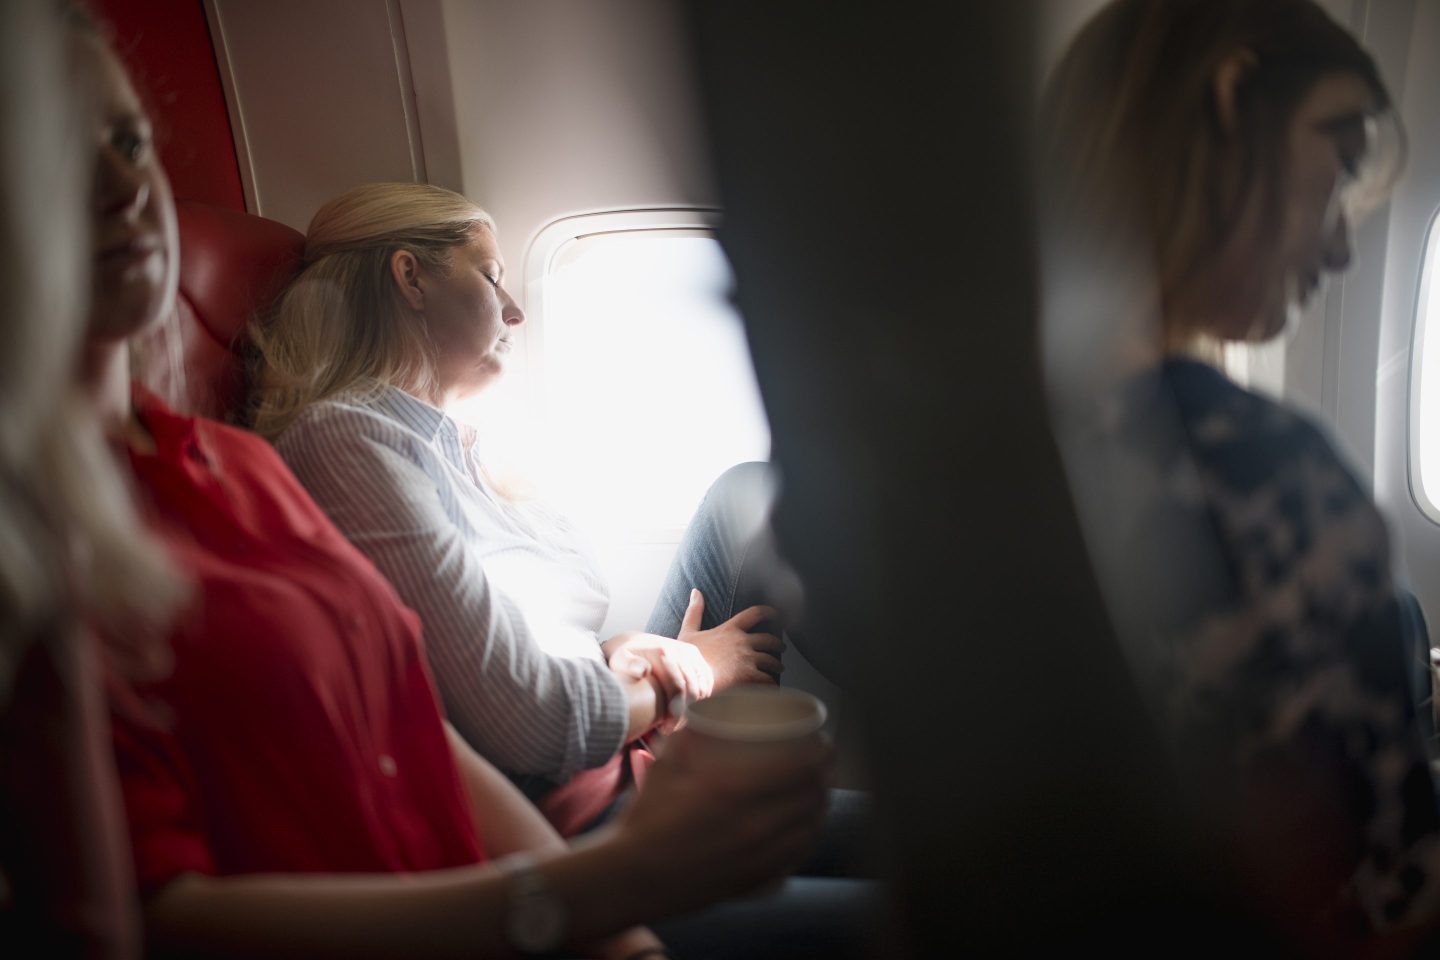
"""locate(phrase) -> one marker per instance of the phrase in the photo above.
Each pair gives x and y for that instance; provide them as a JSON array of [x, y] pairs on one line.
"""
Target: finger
[[762, 678], [692, 679], [704, 676], [704, 680], [673, 676], [662, 674], [750, 616], [769, 665], [767, 642], [684, 657], [693, 613], [630, 664]]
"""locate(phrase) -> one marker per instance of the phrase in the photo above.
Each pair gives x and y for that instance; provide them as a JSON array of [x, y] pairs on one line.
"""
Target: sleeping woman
[[290, 783], [401, 311]]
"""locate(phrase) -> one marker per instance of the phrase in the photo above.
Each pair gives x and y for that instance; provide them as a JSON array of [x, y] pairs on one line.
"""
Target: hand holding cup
[[736, 799]]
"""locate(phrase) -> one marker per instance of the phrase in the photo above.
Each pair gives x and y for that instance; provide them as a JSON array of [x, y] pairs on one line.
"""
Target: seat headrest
[[232, 266]]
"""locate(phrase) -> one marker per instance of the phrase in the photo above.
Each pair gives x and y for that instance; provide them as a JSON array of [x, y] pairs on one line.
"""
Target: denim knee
[[745, 486]]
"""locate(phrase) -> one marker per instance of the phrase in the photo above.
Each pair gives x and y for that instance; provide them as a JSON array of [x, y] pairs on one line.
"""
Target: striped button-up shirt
[[509, 602]]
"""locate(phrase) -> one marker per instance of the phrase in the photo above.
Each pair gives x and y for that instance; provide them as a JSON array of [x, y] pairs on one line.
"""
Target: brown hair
[[1131, 138]]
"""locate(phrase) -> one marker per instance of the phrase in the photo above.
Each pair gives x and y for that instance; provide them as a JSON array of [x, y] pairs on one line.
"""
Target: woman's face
[[134, 239], [470, 317], [1265, 278]]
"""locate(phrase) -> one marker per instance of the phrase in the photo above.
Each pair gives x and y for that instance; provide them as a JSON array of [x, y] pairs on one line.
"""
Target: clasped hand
[[700, 662]]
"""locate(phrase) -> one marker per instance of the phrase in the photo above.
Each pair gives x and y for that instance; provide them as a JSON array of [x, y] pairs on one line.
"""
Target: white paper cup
[[757, 715], [736, 730]]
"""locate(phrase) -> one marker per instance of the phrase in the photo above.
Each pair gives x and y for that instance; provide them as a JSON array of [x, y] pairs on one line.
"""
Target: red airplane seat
[[232, 265]]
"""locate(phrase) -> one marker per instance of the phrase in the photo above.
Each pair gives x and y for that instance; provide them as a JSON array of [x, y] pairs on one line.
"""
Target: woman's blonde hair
[[1137, 166], [341, 324], [71, 549]]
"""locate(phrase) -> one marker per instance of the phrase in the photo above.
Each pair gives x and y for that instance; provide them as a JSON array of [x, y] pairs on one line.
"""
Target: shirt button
[[387, 765], [355, 621]]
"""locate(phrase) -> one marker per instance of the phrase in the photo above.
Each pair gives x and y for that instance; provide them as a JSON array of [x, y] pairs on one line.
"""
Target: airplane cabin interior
[[824, 236]]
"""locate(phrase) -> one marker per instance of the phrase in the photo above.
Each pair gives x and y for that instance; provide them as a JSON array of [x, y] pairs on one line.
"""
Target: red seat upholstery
[[232, 265]]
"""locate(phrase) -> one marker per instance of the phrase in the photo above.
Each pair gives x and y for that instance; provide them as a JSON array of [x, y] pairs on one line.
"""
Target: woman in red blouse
[[295, 763], [71, 552]]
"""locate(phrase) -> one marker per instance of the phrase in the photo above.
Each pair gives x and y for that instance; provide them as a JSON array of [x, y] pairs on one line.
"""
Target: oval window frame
[[1426, 312]]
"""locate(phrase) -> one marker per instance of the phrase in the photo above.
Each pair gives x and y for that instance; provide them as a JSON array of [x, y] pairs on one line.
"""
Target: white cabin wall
[[320, 99], [571, 107], [536, 110]]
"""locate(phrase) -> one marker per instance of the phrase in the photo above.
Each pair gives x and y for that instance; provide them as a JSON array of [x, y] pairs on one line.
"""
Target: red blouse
[[299, 730]]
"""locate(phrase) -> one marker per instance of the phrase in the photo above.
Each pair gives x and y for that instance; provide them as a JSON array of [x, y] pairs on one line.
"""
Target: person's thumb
[[693, 613]]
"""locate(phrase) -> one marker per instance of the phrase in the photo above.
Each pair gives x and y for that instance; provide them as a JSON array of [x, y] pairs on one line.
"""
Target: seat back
[[232, 266]]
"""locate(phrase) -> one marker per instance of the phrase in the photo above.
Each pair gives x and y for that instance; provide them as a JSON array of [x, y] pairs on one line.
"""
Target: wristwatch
[[535, 920]]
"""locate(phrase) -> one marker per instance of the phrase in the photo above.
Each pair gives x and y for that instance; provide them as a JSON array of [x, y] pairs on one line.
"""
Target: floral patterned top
[[1256, 602]]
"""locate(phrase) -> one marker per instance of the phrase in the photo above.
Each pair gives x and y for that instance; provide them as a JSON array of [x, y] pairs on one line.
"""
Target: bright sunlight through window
[[1425, 384], [648, 389]]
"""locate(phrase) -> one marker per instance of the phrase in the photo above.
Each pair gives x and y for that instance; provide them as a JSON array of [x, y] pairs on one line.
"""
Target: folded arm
[[526, 710]]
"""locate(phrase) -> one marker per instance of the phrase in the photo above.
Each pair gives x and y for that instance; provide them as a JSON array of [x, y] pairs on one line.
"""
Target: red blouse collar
[[173, 433]]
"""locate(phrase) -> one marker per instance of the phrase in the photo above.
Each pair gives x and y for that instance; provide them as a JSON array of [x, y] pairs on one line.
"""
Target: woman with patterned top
[[1204, 160]]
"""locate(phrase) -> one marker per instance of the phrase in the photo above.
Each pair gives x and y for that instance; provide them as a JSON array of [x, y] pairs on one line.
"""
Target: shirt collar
[[455, 439], [424, 419], [173, 433]]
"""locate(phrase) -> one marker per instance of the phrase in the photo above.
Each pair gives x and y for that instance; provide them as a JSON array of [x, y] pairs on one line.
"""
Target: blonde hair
[[340, 325], [71, 548], [1138, 170]]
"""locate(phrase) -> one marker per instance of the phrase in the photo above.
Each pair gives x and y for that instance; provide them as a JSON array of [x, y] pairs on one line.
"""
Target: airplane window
[[647, 389], [1425, 383]]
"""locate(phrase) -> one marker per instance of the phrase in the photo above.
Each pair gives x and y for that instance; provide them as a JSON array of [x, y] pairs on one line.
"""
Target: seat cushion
[[232, 266]]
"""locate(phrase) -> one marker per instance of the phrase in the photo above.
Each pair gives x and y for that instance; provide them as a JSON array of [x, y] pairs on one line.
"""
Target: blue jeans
[[808, 917], [823, 911], [728, 554]]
